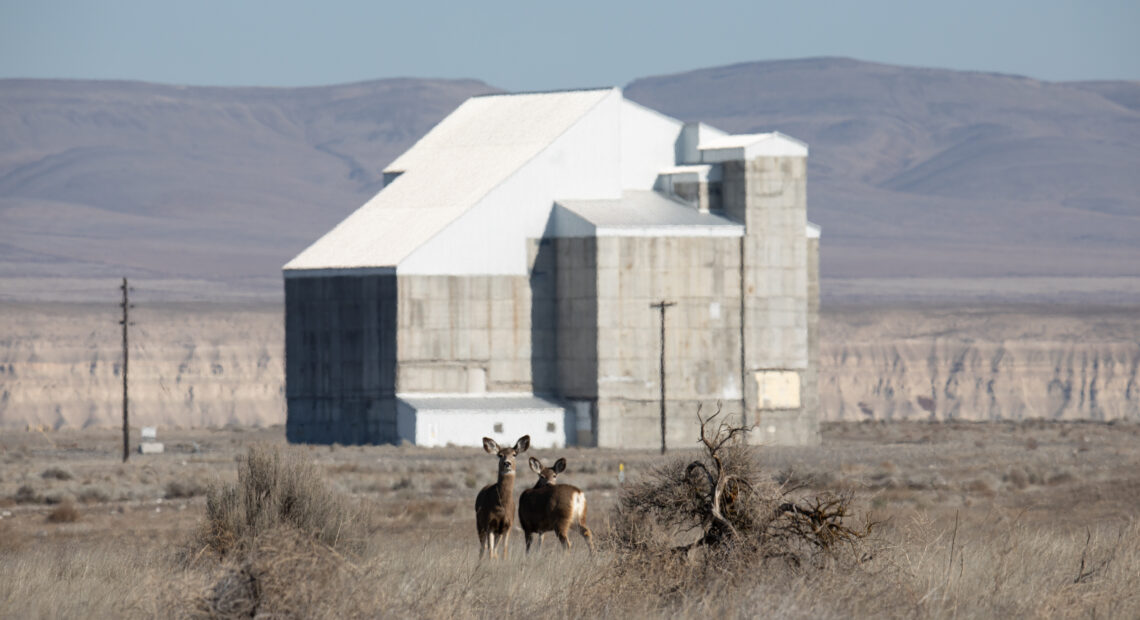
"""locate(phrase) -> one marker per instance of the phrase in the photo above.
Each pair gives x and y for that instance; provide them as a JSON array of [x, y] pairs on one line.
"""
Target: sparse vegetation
[[27, 494], [720, 518], [56, 473], [277, 490], [1068, 549], [176, 489], [65, 512]]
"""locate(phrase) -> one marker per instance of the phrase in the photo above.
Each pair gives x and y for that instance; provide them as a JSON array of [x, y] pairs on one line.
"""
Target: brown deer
[[552, 507], [495, 504]]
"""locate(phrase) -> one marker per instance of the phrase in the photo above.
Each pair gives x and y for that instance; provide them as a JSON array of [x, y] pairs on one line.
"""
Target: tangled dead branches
[[733, 508]]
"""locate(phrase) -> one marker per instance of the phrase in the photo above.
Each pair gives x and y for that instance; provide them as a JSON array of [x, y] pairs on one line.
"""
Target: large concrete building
[[503, 282]]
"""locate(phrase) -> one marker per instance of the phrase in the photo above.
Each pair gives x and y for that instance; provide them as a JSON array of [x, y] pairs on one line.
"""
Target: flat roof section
[[638, 214]]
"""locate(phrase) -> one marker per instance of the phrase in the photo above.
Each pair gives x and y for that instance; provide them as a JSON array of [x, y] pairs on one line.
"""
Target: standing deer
[[552, 507], [495, 504]]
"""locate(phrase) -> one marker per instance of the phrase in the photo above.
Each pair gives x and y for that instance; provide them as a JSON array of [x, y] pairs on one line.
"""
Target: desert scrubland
[[204, 365], [1028, 519], [994, 449]]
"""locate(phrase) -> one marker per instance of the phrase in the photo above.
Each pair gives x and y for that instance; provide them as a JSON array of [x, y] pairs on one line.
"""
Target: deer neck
[[506, 488]]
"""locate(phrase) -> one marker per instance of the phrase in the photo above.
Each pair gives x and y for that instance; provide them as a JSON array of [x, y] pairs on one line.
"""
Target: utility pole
[[125, 323], [662, 305]]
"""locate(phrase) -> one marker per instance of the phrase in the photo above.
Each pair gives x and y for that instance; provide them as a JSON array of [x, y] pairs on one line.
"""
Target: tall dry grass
[[413, 551], [987, 570]]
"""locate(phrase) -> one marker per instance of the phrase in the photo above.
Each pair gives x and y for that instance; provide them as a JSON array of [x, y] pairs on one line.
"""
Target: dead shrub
[[1017, 477], [177, 489], [283, 573], [56, 473], [63, 513], [1059, 477], [722, 511], [278, 490], [92, 495], [403, 483], [26, 494]]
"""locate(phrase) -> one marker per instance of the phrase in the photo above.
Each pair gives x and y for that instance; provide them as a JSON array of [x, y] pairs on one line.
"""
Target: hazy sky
[[541, 44]]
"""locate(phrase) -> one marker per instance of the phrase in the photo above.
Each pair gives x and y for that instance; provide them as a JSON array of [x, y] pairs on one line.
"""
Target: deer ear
[[489, 445], [559, 466], [536, 465], [522, 444]]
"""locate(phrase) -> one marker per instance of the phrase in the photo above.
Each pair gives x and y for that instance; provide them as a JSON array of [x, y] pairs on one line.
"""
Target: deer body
[[495, 504], [551, 507]]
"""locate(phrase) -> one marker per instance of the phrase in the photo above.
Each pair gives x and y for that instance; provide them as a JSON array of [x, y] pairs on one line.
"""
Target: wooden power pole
[[662, 306], [125, 322]]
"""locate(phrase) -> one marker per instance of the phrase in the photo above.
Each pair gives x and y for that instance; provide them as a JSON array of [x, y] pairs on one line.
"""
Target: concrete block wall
[[576, 286], [701, 275], [340, 363], [464, 334], [811, 409], [769, 195]]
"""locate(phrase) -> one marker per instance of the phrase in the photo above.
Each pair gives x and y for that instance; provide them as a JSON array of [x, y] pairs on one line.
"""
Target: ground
[[998, 496]]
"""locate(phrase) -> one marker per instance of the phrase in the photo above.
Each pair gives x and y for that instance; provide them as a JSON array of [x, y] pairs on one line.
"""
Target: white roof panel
[[642, 213], [747, 146], [448, 171]]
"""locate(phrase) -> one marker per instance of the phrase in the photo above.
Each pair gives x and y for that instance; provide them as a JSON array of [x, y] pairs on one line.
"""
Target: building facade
[[508, 278]]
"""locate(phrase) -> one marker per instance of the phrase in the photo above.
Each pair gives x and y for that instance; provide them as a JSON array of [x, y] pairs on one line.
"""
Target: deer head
[[547, 475], [506, 455]]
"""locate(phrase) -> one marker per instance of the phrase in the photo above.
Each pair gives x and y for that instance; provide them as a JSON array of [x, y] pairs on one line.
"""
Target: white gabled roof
[[747, 146], [463, 158]]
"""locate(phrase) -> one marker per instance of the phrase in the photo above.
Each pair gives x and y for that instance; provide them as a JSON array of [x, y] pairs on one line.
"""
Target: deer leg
[[528, 536], [482, 544], [563, 538], [587, 535], [506, 536], [491, 545], [540, 535]]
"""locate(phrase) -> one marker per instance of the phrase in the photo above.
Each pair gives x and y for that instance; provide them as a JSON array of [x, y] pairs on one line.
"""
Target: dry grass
[[976, 526], [63, 513], [277, 489]]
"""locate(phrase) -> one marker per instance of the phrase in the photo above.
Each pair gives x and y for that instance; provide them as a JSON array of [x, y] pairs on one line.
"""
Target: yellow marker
[[621, 473]]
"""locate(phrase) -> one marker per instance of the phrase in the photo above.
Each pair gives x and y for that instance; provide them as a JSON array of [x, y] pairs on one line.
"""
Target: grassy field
[[1030, 519]]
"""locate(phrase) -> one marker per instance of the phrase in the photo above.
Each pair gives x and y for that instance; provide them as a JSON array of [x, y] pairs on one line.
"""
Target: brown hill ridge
[[914, 173]]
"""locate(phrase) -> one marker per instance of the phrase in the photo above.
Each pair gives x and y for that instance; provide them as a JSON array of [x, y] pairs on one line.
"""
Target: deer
[[495, 504], [549, 506]]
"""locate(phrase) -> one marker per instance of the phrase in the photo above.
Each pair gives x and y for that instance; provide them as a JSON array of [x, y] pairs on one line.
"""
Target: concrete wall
[[340, 360], [812, 408], [702, 346], [469, 335], [577, 317], [768, 194]]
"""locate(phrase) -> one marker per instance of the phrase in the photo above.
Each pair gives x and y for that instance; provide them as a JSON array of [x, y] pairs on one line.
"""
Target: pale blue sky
[[539, 44]]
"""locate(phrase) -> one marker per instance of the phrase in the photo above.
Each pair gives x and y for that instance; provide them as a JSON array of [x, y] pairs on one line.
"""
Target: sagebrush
[[277, 490]]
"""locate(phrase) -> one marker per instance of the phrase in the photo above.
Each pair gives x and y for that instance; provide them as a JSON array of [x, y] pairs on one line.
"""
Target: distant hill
[[204, 190], [937, 173], [914, 173]]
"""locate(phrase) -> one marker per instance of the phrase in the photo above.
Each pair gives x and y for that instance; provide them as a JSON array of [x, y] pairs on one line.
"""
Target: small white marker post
[[150, 443]]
